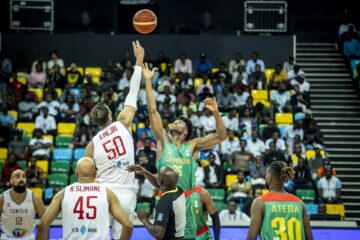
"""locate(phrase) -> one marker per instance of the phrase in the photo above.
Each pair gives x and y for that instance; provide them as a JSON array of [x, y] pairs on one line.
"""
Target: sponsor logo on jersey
[[122, 164], [160, 217], [187, 152], [170, 151], [83, 230], [19, 232]]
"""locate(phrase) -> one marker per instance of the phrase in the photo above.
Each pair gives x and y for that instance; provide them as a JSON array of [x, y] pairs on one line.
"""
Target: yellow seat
[[38, 92], [269, 72], [37, 191], [214, 70], [50, 137], [27, 127], [3, 153], [264, 102], [230, 179], [198, 82], [204, 163], [44, 165], [336, 209], [58, 91], [66, 129], [284, 118], [311, 153], [80, 69], [259, 94], [141, 125], [95, 73], [264, 191], [14, 114], [133, 127], [22, 80]]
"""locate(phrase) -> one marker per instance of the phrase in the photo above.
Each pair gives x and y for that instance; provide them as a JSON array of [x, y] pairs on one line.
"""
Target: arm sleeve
[[216, 225], [162, 213], [131, 98]]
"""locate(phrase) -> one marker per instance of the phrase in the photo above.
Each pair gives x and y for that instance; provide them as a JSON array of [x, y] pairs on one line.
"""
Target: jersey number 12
[[79, 207], [118, 149]]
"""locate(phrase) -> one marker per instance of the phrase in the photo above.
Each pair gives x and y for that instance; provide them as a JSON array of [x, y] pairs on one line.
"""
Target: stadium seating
[[49, 137], [268, 73], [217, 194], [74, 166], [311, 209], [38, 92], [282, 128], [44, 165], [214, 70], [143, 205], [299, 116], [284, 118], [79, 153], [260, 94], [95, 73], [264, 102], [22, 164], [63, 142], [60, 154], [14, 114], [22, 79], [80, 69], [3, 153], [73, 179], [60, 167], [28, 127], [198, 82], [66, 129], [336, 209], [48, 194], [230, 179], [306, 195], [58, 180], [220, 205], [37, 191], [2, 163], [311, 153]]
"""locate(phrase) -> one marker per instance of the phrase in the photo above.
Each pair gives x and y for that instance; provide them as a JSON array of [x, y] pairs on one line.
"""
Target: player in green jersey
[[177, 150], [278, 214]]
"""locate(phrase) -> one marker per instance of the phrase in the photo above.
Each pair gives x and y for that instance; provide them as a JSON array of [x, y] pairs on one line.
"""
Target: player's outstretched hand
[[211, 104], [139, 51], [143, 214], [148, 74], [137, 169]]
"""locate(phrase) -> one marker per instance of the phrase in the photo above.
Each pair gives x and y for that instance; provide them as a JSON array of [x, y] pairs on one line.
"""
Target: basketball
[[144, 21]]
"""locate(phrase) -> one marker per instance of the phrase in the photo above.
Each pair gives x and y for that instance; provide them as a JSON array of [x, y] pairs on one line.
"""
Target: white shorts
[[127, 199]]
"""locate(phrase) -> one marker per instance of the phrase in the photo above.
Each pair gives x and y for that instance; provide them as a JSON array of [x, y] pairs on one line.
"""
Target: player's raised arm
[[212, 211], [89, 151], [126, 116], [155, 118], [50, 214], [256, 219], [307, 226], [118, 213], [213, 139]]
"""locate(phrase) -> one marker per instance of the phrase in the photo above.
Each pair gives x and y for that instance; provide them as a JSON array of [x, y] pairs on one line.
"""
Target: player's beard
[[20, 188]]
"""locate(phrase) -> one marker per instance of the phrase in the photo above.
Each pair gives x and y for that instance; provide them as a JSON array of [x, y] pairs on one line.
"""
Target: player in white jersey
[[113, 147], [85, 209], [18, 207]]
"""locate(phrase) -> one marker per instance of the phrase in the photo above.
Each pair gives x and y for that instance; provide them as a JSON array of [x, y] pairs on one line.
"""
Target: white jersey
[[18, 219], [85, 212], [113, 152]]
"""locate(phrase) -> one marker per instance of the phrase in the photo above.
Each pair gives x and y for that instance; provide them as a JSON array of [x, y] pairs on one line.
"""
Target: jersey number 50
[[79, 207], [118, 149]]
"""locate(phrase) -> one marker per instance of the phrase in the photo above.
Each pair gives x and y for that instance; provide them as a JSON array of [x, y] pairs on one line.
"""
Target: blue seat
[[354, 62], [299, 116], [282, 129], [48, 193], [79, 153], [311, 209], [62, 154], [75, 92]]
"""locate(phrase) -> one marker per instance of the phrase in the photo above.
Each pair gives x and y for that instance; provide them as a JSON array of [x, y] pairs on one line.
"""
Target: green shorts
[[205, 236], [190, 228]]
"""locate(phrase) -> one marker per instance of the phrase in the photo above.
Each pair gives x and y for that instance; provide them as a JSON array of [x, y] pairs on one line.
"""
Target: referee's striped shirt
[[170, 213]]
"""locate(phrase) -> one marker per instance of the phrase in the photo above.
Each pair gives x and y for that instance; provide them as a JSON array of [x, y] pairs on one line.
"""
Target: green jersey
[[283, 218], [201, 216], [181, 160]]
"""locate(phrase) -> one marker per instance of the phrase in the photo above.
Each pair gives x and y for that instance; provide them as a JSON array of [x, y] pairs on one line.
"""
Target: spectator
[[5, 64], [38, 78], [146, 128], [141, 141], [207, 121], [254, 145], [150, 152], [231, 214], [166, 94], [192, 116], [326, 165], [34, 174], [251, 64], [144, 190], [109, 81], [226, 100], [274, 155], [200, 176], [289, 64], [82, 136], [214, 174], [180, 98], [229, 145], [10, 166], [351, 47], [39, 147], [183, 68], [239, 159], [240, 79], [231, 121], [222, 72], [54, 59], [258, 79], [240, 97], [69, 109], [257, 168], [297, 141], [294, 73], [202, 66], [329, 188], [304, 86], [302, 179], [317, 161], [299, 101], [344, 27], [144, 161], [52, 104], [279, 76], [18, 146], [247, 123], [56, 78], [125, 80], [269, 130], [246, 208], [280, 99], [236, 63], [163, 64], [6, 119], [4, 136], [73, 76], [279, 143], [312, 135], [188, 104], [292, 131], [241, 189], [39, 59], [127, 61], [46, 122]]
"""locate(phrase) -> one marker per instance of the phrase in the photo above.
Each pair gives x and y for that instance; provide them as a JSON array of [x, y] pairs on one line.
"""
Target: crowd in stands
[[267, 113]]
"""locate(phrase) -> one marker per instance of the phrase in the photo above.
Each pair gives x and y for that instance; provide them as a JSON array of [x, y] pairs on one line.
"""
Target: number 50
[[116, 150]]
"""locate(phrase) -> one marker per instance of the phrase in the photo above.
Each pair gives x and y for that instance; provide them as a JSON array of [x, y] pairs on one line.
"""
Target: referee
[[170, 210]]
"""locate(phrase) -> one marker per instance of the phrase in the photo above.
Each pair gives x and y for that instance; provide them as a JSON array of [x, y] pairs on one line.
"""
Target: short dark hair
[[100, 114], [189, 126]]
